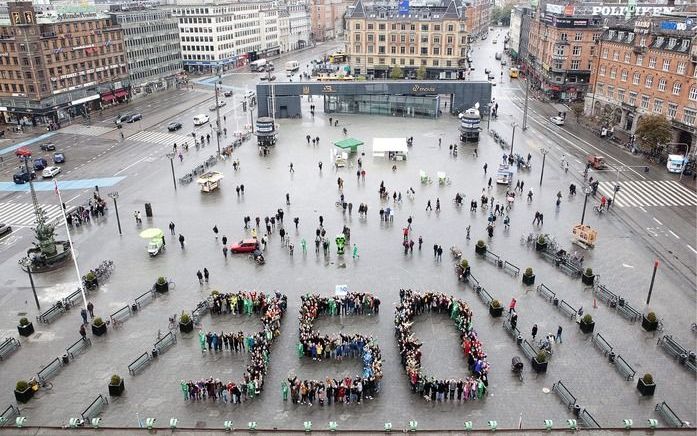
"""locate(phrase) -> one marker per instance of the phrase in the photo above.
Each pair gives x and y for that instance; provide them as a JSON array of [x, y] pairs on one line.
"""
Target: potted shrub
[[646, 386], [98, 327], [587, 324], [480, 248], [463, 269], [23, 392], [541, 243], [25, 327], [539, 362], [528, 277], [91, 280], [161, 285], [588, 277], [116, 386], [186, 324], [495, 308], [649, 322]]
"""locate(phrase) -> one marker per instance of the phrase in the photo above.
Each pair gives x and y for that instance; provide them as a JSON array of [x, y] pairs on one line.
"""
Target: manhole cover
[[200, 424], [22, 314]]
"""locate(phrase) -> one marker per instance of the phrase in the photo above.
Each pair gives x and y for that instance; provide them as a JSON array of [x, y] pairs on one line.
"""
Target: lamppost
[[525, 108], [586, 190], [653, 277], [25, 263], [171, 156], [218, 83], [488, 119], [513, 137], [544, 152], [114, 195]]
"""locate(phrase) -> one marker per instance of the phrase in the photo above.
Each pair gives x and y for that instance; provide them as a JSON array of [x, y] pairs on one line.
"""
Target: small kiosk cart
[[210, 181], [584, 236]]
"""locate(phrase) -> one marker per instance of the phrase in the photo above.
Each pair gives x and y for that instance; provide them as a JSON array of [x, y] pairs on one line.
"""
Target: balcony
[[640, 49]]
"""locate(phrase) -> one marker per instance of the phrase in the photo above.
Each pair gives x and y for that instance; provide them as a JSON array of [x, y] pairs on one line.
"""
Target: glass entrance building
[[393, 105]]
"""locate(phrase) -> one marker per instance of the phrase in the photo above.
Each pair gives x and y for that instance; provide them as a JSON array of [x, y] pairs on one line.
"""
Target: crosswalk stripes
[[643, 193], [22, 214], [80, 129], [160, 137]]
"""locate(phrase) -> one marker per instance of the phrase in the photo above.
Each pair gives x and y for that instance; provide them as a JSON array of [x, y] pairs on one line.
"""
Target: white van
[[292, 66], [201, 119], [676, 163]]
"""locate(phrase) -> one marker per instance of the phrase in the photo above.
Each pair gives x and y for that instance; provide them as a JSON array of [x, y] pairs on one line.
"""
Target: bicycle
[[172, 322], [659, 327], [36, 385]]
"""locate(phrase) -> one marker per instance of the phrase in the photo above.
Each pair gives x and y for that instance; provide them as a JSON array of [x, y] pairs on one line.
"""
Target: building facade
[[560, 48], [151, 36], [328, 18], [56, 63], [647, 65], [382, 37], [478, 16]]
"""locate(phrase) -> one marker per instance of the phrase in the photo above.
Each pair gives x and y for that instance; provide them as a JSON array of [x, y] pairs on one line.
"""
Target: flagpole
[[70, 241]]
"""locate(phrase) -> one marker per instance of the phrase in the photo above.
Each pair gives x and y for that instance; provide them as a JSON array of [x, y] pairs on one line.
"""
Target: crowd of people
[[317, 346], [82, 214], [471, 387], [271, 310]]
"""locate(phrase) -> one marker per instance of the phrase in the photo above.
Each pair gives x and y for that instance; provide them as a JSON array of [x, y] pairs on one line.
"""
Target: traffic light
[[617, 188]]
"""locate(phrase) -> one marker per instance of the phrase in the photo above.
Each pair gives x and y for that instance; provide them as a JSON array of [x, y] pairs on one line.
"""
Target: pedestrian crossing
[[22, 214], [81, 129], [160, 137], [645, 193]]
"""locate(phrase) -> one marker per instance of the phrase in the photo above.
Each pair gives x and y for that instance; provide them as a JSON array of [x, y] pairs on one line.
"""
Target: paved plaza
[[622, 258]]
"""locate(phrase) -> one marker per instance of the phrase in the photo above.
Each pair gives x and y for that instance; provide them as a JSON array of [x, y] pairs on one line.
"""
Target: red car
[[245, 246]]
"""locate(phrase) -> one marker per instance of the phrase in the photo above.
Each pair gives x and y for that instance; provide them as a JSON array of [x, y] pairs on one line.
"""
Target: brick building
[[647, 65], [327, 18], [59, 62], [478, 16]]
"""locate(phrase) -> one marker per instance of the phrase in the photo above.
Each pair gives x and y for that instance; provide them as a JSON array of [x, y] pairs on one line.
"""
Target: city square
[[645, 249]]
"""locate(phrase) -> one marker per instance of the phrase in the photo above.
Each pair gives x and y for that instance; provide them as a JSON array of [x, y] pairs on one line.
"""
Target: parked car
[[23, 152], [245, 246], [201, 119], [40, 163], [58, 157], [227, 93], [173, 126], [50, 172], [222, 103], [22, 176], [559, 121], [48, 146], [135, 117], [4, 228]]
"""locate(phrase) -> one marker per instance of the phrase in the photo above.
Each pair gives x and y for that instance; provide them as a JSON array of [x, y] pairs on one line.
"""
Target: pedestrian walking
[[511, 305], [534, 331], [83, 314], [83, 332], [437, 204], [296, 220], [224, 240], [320, 166], [428, 205], [421, 241], [291, 167], [122, 138], [435, 250], [355, 251], [308, 139], [558, 337], [90, 309], [485, 167], [181, 240], [468, 231], [282, 233], [206, 274], [489, 184], [225, 251], [522, 183], [287, 199], [171, 227], [440, 253], [199, 274], [215, 231]]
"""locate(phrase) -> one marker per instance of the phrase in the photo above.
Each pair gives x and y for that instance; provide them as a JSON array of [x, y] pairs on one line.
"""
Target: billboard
[[404, 7]]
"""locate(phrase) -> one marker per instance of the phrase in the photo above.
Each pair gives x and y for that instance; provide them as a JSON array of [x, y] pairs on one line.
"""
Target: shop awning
[[121, 93], [108, 97], [350, 143]]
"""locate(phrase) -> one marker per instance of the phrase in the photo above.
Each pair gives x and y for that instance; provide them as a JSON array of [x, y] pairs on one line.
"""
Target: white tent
[[392, 148]]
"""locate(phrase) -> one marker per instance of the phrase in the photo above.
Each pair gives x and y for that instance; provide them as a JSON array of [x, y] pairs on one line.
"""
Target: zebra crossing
[[80, 129], [642, 193], [160, 137], [22, 214]]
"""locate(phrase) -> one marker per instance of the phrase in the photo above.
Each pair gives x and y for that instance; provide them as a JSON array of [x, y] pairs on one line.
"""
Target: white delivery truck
[[676, 163], [292, 66], [258, 65]]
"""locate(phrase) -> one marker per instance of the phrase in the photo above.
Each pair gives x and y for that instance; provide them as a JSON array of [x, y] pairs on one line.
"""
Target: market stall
[[391, 148]]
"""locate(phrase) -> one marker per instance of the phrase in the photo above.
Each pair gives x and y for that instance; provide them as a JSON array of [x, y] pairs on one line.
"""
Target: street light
[[525, 108], [171, 156], [488, 119], [544, 152], [25, 263], [586, 190], [218, 83], [513, 137], [114, 195]]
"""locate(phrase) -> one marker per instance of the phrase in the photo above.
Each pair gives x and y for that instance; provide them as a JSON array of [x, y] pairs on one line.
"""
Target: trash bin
[[577, 410], [555, 301], [148, 210], [66, 359], [134, 307], [683, 358], [154, 352], [611, 357], [519, 339]]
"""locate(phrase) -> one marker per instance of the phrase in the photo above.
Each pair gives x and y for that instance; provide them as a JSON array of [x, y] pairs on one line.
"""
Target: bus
[[292, 66], [338, 58], [513, 72]]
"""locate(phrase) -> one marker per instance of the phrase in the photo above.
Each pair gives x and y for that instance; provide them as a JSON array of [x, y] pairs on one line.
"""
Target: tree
[[577, 109], [396, 73], [502, 14], [421, 73], [652, 132]]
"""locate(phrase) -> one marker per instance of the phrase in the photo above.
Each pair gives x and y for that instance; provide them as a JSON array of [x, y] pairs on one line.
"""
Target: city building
[[151, 36], [293, 25], [647, 65], [560, 47], [327, 18], [478, 16], [59, 62], [384, 36]]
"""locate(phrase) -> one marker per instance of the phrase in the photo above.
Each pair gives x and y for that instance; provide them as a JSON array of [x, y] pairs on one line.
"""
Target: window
[[693, 93], [424, 27], [615, 55], [689, 117], [652, 62], [613, 73], [649, 81], [578, 36], [575, 64], [677, 86], [370, 26], [658, 106], [644, 101], [662, 84], [682, 66], [611, 92], [666, 64], [636, 78], [627, 57], [576, 50], [632, 99], [640, 60], [672, 110], [624, 75], [605, 51], [564, 37], [424, 50], [620, 95], [357, 26], [602, 70], [558, 65]]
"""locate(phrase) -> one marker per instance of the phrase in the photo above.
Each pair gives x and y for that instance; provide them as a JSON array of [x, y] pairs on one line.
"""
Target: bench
[[141, 362], [48, 316], [691, 365], [77, 347], [145, 298], [514, 332], [484, 295], [551, 257], [493, 258], [94, 409], [73, 298], [587, 419], [566, 396], [607, 296], [624, 368], [601, 344], [9, 415], [8, 346], [669, 416], [165, 343], [627, 311], [566, 308], [49, 370], [528, 349], [509, 267], [547, 293], [120, 315], [201, 309], [671, 346], [473, 281], [570, 269]]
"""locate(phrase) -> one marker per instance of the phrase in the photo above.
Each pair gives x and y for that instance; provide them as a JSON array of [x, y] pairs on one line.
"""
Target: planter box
[[529, 280], [644, 389], [25, 395], [91, 284], [587, 280], [98, 331], [587, 327], [539, 366], [540, 247], [116, 390], [495, 311], [162, 288], [25, 330], [480, 250], [186, 328], [648, 325]]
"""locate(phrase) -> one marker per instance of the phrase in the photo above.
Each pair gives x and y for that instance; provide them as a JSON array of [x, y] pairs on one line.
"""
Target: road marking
[[131, 165], [676, 236], [659, 223], [642, 209], [690, 247], [627, 266]]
